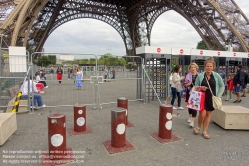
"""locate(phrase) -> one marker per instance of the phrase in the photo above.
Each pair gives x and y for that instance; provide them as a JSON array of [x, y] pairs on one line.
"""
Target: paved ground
[[226, 147]]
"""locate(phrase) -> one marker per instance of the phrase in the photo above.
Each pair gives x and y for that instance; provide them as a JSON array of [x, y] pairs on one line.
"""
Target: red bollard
[[122, 102], [79, 118], [164, 134], [58, 152], [165, 122], [118, 142], [80, 126], [56, 136], [118, 117]]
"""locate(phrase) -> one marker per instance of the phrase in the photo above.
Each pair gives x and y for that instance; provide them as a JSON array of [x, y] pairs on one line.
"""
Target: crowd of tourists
[[209, 82]]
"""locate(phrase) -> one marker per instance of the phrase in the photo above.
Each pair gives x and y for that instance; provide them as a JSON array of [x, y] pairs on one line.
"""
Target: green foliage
[[45, 60], [201, 45], [122, 62], [52, 59]]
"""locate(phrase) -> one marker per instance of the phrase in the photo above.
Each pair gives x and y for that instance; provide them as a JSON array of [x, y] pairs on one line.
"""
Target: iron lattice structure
[[30, 22]]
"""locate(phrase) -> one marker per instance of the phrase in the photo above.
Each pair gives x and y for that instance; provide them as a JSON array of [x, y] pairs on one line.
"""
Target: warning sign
[[181, 51]]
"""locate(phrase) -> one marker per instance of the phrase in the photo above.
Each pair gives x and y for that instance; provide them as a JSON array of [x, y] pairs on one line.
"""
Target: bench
[[232, 117], [23, 105], [8, 126]]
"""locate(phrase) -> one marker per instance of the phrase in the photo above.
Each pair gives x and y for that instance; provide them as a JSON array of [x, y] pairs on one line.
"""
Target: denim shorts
[[237, 89], [244, 86]]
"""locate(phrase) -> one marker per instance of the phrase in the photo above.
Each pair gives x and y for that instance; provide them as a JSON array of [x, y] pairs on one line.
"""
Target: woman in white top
[[175, 83]]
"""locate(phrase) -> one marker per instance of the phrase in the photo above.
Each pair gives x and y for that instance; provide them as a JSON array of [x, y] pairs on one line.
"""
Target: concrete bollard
[[122, 102], [118, 142], [164, 134], [80, 126], [79, 118], [118, 127], [58, 153], [165, 121], [56, 136]]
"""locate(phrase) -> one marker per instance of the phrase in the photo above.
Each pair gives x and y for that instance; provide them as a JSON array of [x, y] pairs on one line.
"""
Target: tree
[[201, 45], [122, 62], [52, 59]]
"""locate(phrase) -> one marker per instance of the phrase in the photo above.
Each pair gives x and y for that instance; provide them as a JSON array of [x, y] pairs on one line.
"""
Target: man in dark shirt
[[238, 82]]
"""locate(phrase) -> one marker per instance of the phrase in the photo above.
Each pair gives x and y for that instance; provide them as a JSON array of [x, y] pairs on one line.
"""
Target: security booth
[[157, 66], [159, 61]]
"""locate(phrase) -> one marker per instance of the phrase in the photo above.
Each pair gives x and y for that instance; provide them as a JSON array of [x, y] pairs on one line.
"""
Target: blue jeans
[[37, 98], [174, 93], [105, 77]]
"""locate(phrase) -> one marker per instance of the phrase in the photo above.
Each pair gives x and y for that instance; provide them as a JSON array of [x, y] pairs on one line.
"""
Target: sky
[[90, 36]]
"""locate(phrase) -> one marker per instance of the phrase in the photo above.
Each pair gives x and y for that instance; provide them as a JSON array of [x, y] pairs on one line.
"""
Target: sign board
[[187, 51], [153, 50], [17, 59], [66, 57], [181, 51]]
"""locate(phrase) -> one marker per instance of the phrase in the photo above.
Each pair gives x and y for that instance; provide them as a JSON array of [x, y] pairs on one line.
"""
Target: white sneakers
[[46, 86], [178, 108], [191, 124]]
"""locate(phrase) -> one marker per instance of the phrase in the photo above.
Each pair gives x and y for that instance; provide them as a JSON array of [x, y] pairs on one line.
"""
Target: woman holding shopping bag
[[189, 83], [211, 83]]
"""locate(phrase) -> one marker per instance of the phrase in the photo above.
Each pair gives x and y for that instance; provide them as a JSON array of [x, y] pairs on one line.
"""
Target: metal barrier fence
[[97, 89]]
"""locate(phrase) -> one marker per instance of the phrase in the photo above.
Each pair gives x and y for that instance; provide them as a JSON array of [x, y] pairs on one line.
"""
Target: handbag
[[179, 88], [196, 100], [217, 102]]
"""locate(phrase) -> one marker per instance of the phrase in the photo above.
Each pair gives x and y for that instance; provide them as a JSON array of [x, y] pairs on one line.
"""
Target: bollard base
[[174, 138], [112, 150], [129, 124], [72, 132], [68, 158]]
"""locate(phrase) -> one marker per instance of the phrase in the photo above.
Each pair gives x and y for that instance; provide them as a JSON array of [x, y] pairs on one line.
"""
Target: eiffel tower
[[30, 22]]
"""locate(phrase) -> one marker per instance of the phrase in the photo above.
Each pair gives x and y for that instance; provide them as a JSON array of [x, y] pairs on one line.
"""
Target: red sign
[[234, 54], [158, 50], [218, 53], [181, 51], [201, 52]]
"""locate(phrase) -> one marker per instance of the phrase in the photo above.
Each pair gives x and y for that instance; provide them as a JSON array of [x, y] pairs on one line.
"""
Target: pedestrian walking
[[204, 80]]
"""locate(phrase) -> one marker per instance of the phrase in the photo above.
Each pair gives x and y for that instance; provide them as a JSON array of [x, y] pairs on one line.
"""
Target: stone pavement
[[225, 148]]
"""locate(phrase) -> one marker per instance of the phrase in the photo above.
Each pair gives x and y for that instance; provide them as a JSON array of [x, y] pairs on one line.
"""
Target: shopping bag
[[83, 79], [196, 100]]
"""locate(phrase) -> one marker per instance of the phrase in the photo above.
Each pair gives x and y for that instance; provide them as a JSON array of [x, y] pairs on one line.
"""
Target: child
[[230, 87]]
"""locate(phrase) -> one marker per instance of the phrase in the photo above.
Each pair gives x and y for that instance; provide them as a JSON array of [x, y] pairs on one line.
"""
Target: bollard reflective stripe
[[165, 121], [122, 102], [17, 101], [118, 129], [57, 136], [79, 118]]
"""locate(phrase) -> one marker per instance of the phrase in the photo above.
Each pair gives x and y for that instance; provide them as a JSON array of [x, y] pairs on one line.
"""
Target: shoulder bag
[[217, 102]]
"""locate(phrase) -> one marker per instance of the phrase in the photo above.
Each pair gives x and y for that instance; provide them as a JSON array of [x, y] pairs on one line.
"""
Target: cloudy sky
[[96, 37]]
